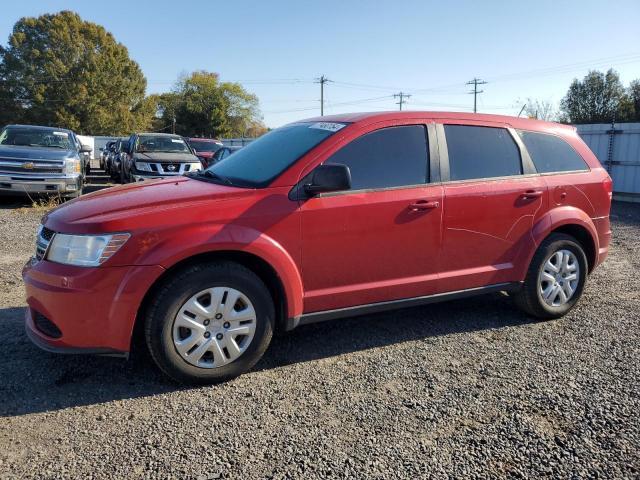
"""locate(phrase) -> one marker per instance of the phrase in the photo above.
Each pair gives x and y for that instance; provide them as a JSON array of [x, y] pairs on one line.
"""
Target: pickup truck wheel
[[209, 323], [555, 279]]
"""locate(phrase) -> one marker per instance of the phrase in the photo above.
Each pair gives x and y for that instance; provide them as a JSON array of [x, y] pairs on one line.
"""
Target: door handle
[[531, 194], [423, 205]]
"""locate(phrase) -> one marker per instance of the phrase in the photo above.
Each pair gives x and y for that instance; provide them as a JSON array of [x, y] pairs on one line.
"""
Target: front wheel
[[555, 279], [210, 323]]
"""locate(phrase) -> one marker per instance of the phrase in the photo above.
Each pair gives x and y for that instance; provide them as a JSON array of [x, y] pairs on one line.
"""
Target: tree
[[634, 96], [540, 109], [60, 70], [204, 107], [598, 98]]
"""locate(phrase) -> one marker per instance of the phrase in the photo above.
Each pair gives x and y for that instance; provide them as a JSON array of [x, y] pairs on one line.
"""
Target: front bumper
[[94, 309], [62, 184]]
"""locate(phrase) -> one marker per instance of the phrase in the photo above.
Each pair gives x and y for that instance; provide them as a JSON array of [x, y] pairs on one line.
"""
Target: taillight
[[607, 183]]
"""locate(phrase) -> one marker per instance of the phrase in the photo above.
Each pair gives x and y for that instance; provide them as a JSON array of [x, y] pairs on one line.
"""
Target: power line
[[475, 82], [401, 96]]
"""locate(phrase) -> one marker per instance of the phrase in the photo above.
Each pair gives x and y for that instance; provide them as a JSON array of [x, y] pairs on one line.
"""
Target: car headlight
[[195, 166], [72, 165], [84, 250], [143, 167]]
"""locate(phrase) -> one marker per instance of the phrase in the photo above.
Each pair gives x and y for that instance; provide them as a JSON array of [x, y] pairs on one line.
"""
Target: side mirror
[[329, 178], [85, 149]]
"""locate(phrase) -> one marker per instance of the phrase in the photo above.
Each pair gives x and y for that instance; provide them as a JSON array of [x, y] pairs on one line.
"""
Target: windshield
[[205, 146], [35, 137], [151, 143], [260, 162]]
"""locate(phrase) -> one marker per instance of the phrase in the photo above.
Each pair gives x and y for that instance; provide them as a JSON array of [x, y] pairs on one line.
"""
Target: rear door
[[492, 198], [380, 240]]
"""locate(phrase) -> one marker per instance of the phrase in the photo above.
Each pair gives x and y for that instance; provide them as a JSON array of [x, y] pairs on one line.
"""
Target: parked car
[[35, 159], [104, 152], [204, 148], [222, 153], [87, 143], [158, 155], [321, 219], [114, 149], [120, 161]]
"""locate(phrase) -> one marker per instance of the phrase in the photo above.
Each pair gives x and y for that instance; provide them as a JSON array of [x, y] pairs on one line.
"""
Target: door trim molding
[[358, 310]]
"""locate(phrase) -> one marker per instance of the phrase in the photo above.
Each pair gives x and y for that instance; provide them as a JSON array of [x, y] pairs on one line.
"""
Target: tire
[[164, 335], [123, 177], [531, 298]]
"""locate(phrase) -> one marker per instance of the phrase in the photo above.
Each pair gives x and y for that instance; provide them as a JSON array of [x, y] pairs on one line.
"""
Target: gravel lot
[[466, 388]]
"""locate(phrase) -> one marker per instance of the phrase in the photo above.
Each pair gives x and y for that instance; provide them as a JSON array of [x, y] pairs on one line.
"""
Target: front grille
[[170, 167], [46, 233], [42, 241], [46, 326], [35, 169]]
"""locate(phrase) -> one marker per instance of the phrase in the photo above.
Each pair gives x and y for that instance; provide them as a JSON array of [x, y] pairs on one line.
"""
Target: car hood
[[148, 204], [165, 157], [34, 153]]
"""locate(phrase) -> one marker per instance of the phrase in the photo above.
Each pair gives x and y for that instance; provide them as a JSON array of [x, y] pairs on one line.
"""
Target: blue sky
[[370, 49]]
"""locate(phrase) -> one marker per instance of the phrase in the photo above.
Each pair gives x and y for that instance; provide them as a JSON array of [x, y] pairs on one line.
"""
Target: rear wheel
[[555, 279], [210, 323]]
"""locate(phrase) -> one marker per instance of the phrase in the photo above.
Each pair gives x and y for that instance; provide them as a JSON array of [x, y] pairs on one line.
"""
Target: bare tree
[[541, 109]]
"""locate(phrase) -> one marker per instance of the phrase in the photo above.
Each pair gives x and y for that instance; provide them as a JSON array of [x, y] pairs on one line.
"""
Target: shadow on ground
[[35, 381]]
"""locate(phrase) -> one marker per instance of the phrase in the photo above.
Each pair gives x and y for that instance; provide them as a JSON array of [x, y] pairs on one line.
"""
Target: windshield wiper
[[213, 176]]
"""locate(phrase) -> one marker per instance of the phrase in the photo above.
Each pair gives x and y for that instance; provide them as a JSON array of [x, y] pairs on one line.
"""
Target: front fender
[[178, 245]]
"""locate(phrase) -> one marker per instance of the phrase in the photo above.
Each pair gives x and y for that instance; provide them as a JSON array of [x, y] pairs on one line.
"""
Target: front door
[[380, 240]]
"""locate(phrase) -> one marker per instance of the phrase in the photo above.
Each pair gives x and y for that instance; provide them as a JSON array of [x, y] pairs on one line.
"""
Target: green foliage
[[60, 70], [204, 107], [598, 98]]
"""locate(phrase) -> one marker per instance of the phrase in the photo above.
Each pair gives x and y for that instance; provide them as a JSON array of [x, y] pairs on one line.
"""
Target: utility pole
[[401, 96], [475, 82], [322, 80], [173, 125], [522, 109]]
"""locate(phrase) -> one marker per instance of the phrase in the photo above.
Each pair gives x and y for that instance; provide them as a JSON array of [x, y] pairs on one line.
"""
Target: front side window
[[390, 157], [260, 162], [481, 152], [551, 153]]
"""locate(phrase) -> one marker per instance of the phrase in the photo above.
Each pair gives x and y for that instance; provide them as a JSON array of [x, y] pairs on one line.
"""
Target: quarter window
[[389, 157], [551, 153], [481, 152]]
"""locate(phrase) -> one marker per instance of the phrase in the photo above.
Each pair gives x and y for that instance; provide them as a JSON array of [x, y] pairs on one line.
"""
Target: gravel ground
[[466, 388]]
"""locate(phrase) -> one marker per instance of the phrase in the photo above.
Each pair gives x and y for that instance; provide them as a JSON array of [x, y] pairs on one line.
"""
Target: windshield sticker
[[332, 127], [61, 134], [175, 140]]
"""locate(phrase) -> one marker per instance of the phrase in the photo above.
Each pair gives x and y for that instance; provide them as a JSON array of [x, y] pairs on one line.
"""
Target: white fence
[[617, 147]]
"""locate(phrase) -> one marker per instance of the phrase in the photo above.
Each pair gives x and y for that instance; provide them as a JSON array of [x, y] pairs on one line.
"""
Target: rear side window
[[551, 153], [389, 157], [481, 152]]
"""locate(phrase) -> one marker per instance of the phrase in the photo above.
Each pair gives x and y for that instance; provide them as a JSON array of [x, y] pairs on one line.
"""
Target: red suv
[[320, 219]]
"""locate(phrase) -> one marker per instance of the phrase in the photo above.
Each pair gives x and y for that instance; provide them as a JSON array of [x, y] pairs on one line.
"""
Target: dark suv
[[158, 155]]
